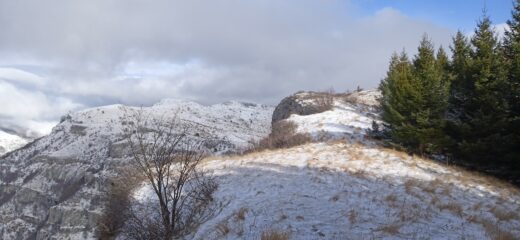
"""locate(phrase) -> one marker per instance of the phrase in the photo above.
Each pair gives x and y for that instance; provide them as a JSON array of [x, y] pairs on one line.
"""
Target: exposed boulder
[[302, 103]]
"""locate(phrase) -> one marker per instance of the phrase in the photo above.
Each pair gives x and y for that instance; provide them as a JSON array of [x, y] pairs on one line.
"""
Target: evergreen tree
[[482, 121], [443, 67], [400, 101], [430, 72], [461, 89], [511, 49]]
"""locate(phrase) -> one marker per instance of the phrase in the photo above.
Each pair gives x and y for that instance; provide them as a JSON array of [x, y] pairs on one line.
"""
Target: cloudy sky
[[59, 55]]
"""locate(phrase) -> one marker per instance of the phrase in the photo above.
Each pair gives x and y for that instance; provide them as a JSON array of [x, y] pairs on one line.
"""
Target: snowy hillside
[[54, 187], [339, 190], [10, 142], [350, 188]]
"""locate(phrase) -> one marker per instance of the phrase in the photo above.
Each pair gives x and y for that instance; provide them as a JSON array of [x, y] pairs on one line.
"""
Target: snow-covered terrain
[[343, 187], [339, 190], [351, 188], [54, 187], [347, 120], [10, 142]]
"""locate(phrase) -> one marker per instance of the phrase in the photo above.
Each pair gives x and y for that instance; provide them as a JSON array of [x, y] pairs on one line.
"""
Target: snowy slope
[[10, 142], [339, 190], [346, 121], [350, 188], [54, 187]]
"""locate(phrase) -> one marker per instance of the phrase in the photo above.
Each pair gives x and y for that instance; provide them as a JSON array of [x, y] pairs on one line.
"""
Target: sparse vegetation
[[241, 213], [324, 101], [118, 203], [283, 135], [223, 228], [169, 164]]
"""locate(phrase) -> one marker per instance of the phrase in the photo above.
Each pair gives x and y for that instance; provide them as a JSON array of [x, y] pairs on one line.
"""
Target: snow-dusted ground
[[10, 142], [350, 188], [345, 121], [340, 190]]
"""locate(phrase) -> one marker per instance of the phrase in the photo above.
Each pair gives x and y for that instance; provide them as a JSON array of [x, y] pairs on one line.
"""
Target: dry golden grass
[[392, 198], [477, 206], [241, 213], [453, 207], [359, 173], [352, 216], [431, 186], [435, 200], [410, 184], [391, 228], [494, 231], [275, 235], [503, 215], [223, 228]]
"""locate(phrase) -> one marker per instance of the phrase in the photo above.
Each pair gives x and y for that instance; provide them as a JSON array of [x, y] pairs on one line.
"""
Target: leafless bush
[[117, 209], [283, 135], [168, 162], [324, 101]]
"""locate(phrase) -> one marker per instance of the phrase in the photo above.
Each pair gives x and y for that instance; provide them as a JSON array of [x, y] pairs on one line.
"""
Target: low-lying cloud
[[58, 55]]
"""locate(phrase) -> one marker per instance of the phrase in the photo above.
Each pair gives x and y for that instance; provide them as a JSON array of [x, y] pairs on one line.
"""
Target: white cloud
[[137, 52], [20, 76]]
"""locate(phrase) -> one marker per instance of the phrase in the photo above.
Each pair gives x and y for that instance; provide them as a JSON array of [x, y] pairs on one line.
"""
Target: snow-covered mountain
[[344, 186], [54, 187], [10, 142], [349, 187]]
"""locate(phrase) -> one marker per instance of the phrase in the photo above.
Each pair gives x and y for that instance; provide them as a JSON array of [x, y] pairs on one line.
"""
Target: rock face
[[300, 103], [53, 188], [307, 103]]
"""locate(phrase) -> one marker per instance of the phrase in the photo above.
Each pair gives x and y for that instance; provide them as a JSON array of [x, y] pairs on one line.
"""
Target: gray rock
[[301, 103]]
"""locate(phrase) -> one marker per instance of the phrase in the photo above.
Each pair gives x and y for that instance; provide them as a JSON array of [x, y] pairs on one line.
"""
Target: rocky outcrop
[[368, 97], [302, 103]]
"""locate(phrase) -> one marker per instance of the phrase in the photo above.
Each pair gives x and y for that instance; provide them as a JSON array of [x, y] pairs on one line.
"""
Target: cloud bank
[[58, 55]]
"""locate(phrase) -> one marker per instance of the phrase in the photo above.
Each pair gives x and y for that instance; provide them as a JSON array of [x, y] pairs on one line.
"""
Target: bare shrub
[[324, 101], [494, 231], [283, 135], [275, 235], [391, 229], [168, 162], [117, 206], [452, 207]]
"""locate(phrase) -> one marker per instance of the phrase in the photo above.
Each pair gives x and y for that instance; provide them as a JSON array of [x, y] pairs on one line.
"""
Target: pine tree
[[461, 89], [443, 66], [400, 101], [482, 117], [511, 49], [431, 74], [415, 99]]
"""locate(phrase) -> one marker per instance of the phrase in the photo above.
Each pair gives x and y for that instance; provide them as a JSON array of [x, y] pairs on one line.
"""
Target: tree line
[[464, 106]]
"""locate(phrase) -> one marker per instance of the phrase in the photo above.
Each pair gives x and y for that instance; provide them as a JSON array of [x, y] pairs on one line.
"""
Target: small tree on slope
[[169, 163]]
